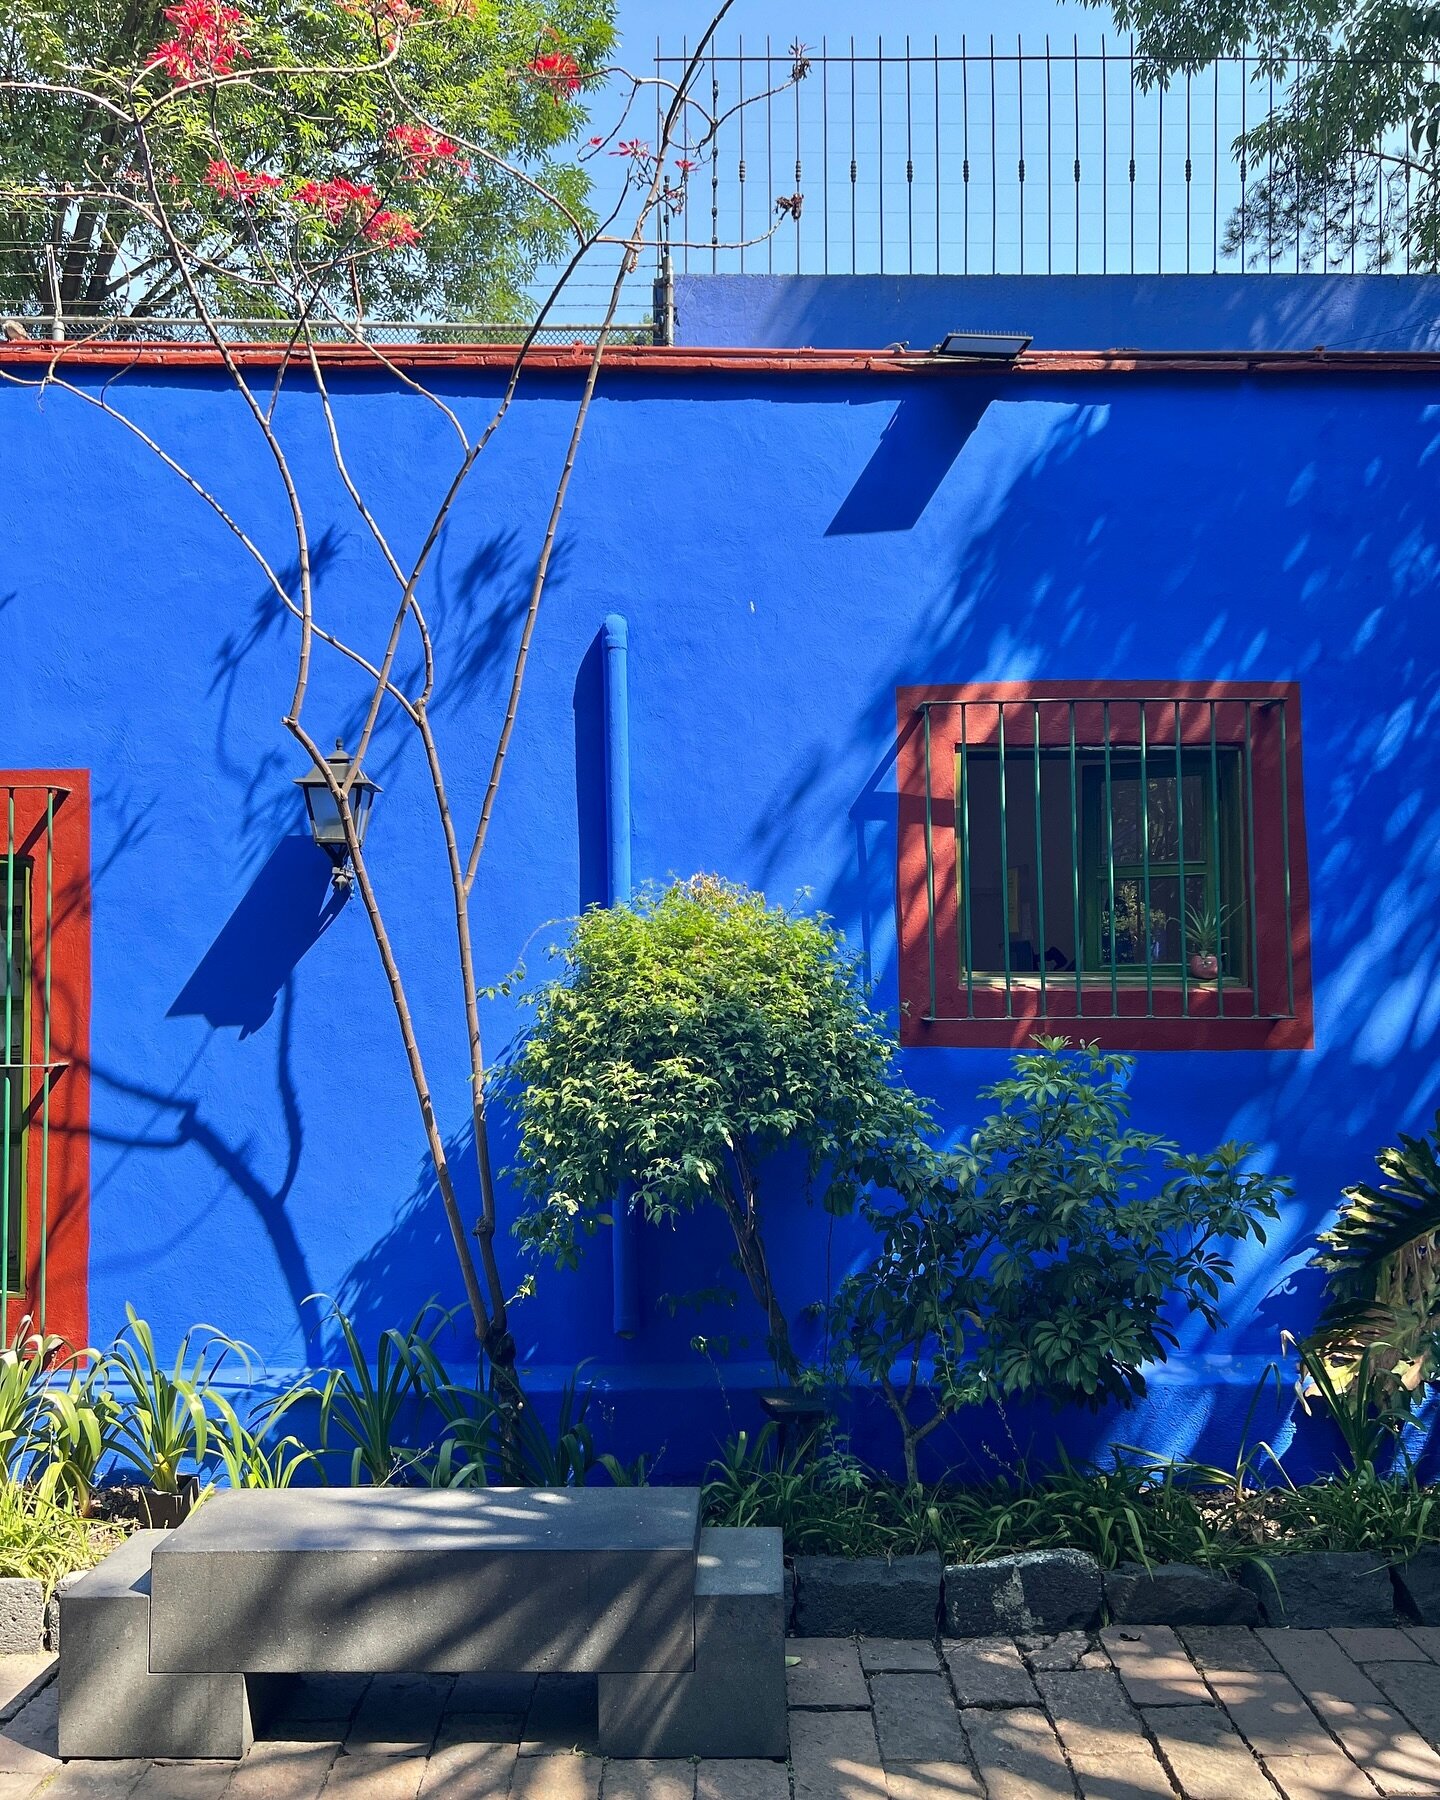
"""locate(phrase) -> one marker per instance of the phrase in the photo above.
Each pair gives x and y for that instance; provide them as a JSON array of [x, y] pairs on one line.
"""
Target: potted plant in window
[[1204, 926]]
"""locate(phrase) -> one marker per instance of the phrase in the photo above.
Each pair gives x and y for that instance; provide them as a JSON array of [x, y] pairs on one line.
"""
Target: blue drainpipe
[[625, 1238]]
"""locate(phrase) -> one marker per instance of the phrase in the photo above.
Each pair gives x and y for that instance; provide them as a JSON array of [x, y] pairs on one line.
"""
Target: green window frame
[[15, 1071], [1210, 859]]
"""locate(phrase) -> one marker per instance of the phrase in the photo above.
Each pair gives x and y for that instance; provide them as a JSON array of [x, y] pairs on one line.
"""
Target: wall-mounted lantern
[[326, 825]]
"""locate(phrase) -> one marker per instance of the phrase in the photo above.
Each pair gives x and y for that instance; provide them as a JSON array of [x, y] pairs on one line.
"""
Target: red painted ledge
[[685, 359]]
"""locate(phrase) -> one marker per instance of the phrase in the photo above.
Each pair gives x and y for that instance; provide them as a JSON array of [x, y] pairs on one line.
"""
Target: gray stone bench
[[168, 1648]]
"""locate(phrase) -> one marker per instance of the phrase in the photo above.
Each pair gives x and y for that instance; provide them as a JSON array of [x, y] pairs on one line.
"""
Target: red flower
[[238, 184], [206, 40], [635, 148], [422, 147], [685, 165], [558, 71], [391, 230], [337, 198]]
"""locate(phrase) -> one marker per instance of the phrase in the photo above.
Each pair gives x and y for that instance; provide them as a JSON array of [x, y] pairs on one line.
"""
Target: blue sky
[[641, 20]]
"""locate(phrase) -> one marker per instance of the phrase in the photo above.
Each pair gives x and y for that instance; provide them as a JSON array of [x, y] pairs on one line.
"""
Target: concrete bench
[[168, 1649]]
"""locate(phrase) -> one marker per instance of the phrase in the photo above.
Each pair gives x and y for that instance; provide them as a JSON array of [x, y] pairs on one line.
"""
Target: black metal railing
[[988, 159]]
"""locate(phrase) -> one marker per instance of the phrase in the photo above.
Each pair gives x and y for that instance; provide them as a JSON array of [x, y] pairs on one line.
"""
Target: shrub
[[690, 1036], [1043, 1257]]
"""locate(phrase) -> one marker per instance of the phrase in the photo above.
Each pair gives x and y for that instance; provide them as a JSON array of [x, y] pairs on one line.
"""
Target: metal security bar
[[1109, 857], [995, 158], [28, 1072]]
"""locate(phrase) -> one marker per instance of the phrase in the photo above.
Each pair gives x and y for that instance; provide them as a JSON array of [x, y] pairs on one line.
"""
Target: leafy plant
[[25, 1367], [164, 1425], [1381, 1321], [371, 1406], [1043, 1257], [42, 1541], [79, 1428], [1204, 926], [689, 1037], [250, 1460]]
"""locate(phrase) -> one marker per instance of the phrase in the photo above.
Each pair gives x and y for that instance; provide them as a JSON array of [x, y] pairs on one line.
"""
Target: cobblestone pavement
[[1139, 1713]]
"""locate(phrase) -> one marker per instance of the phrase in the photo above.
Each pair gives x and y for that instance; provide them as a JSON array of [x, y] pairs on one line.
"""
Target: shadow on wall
[[1077, 555], [283, 914]]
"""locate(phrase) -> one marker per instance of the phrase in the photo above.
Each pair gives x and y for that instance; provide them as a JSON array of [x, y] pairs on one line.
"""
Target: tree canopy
[[1347, 160], [475, 95]]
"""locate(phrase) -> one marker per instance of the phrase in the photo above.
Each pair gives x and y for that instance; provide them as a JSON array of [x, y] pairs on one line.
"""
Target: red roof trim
[[655, 359]]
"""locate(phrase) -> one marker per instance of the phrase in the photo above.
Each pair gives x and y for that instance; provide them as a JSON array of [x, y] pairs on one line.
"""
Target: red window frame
[[57, 1173], [937, 1007]]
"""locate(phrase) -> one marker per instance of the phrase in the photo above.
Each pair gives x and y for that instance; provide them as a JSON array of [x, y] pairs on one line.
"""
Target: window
[[1125, 862], [44, 1051]]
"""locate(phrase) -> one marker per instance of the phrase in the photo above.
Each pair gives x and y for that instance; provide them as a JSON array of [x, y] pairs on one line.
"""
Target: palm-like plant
[[1382, 1263]]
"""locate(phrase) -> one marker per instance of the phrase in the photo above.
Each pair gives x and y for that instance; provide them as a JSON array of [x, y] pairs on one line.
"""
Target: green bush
[[690, 1036], [1042, 1258]]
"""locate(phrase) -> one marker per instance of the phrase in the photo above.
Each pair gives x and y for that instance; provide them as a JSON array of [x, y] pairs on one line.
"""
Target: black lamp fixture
[[984, 346], [326, 825]]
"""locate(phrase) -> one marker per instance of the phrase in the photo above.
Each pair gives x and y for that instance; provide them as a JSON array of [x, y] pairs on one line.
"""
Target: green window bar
[[1121, 862], [28, 1071]]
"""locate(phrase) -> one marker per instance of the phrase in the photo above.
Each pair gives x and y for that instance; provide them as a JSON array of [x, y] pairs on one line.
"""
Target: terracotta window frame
[[942, 1004], [45, 815]]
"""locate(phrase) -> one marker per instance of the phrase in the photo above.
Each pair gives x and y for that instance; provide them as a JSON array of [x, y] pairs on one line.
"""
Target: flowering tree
[[306, 243], [329, 86]]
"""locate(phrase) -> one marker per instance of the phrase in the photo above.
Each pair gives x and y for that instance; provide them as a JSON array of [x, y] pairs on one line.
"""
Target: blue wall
[[1067, 312], [786, 550]]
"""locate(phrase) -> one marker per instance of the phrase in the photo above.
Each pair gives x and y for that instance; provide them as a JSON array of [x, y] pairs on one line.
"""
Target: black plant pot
[[162, 1511]]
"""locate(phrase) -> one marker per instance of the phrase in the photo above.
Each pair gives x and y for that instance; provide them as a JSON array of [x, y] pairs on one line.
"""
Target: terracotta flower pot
[[1204, 968]]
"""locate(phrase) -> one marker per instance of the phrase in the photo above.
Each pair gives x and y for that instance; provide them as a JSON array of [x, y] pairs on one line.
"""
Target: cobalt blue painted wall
[[1067, 312], [786, 550]]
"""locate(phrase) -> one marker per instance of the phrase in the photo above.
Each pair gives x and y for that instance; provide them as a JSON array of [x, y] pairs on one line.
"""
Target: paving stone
[[989, 1672], [932, 1781], [1018, 1755], [897, 1656], [1427, 1637], [19, 1787], [835, 1756], [82, 1779], [279, 1770], [1122, 1775], [367, 1776], [648, 1778], [27, 1742], [1154, 1665], [21, 1678], [1036, 1591], [1414, 1688], [556, 1778], [916, 1720], [316, 1697], [1177, 1594], [1092, 1714], [742, 1779], [839, 1595], [1206, 1754], [1270, 1713], [468, 1772], [1066, 1650], [1221, 1647], [184, 1781], [564, 1716], [400, 1714], [491, 1694], [827, 1674], [1369, 1729], [1417, 1586], [1322, 1588], [1332, 1777], [1375, 1644], [480, 1728]]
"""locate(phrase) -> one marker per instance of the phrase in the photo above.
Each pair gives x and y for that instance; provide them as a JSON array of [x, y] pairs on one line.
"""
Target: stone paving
[[1137, 1713]]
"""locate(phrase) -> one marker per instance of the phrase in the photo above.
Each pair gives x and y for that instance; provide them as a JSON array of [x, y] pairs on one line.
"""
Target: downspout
[[625, 1237]]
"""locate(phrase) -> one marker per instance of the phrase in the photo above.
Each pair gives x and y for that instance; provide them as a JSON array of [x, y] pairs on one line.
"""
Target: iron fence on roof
[[998, 160], [146, 329]]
